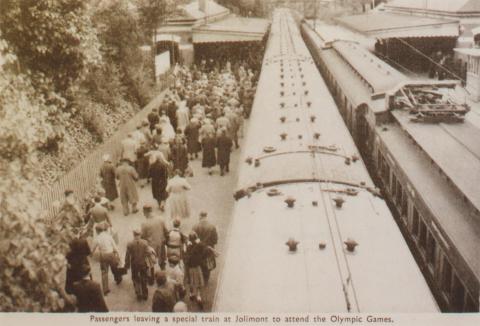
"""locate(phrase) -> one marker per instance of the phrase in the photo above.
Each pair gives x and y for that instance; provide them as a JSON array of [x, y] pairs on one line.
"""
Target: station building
[[205, 23]]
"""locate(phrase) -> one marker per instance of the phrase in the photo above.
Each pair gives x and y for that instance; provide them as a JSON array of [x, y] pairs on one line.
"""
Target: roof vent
[[312, 118], [292, 244], [282, 119], [257, 163], [351, 244], [290, 201], [322, 245], [249, 160], [316, 135], [339, 201], [283, 136]]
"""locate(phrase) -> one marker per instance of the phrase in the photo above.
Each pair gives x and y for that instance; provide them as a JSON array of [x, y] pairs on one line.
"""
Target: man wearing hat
[[207, 233], [109, 256], [164, 297], [135, 258], [88, 293], [155, 233], [128, 189]]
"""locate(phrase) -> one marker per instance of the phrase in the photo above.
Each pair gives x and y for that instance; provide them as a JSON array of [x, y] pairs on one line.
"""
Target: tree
[[52, 39], [31, 252], [152, 14]]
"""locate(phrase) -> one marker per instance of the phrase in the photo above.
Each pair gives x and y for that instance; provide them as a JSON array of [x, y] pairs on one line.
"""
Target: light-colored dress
[[177, 201]]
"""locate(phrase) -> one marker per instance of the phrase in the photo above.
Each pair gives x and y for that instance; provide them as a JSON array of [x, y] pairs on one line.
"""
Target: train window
[[422, 241], [431, 249], [404, 204], [399, 194], [458, 295], [394, 185], [415, 222], [446, 276], [470, 305]]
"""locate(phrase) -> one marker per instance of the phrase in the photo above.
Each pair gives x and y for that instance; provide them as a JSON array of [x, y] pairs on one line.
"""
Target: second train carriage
[[299, 162], [428, 169]]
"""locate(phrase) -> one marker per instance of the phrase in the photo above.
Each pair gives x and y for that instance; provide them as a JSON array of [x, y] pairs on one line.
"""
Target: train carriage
[[309, 231]]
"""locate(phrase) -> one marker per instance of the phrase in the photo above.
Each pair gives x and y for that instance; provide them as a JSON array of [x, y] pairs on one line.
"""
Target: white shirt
[[105, 243]]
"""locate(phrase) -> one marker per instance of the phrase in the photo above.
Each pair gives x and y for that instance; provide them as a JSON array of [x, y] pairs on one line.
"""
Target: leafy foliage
[[31, 262], [57, 39]]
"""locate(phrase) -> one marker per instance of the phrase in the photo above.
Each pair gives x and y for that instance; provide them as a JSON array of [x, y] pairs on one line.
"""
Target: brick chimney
[[202, 4]]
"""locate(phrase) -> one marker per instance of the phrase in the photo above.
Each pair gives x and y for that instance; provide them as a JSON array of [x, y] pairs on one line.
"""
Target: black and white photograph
[[246, 162]]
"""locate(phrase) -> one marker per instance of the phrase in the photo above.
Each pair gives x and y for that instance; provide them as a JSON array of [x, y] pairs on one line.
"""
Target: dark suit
[[207, 233], [135, 257], [89, 296]]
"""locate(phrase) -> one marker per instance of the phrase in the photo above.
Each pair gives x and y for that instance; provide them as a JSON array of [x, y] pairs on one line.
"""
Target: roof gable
[[452, 6]]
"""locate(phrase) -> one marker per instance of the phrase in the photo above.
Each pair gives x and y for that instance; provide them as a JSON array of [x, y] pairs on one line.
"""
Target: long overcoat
[[208, 159], [224, 145], [107, 173], [159, 175], [127, 176]]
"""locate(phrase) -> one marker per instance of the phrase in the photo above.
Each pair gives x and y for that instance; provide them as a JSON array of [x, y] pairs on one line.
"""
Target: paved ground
[[213, 194]]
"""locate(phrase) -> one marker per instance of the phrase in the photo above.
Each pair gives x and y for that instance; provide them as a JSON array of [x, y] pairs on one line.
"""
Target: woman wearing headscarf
[[177, 201], [159, 176]]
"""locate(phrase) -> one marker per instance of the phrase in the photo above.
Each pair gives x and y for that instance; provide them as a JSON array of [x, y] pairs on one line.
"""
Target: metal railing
[[82, 179]]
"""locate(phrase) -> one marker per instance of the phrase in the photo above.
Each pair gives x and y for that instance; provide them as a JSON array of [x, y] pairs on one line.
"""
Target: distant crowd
[[201, 117]]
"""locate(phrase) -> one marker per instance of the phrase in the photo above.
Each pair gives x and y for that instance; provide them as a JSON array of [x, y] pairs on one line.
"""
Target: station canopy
[[391, 25], [231, 29]]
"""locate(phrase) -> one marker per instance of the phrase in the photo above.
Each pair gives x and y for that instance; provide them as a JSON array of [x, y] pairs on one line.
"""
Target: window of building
[[415, 222]]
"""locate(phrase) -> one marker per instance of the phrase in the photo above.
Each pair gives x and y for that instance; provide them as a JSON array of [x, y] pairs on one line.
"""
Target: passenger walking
[[88, 293], [155, 232], [135, 259], [176, 241], [224, 145], [159, 176], [207, 233], [141, 165], [177, 201], [99, 216], [129, 149], [77, 258], [153, 119], [192, 133], [176, 275], [195, 256], [164, 297], [128, 190], [209, 158], [109, 257], [107, 174], [179, 156]]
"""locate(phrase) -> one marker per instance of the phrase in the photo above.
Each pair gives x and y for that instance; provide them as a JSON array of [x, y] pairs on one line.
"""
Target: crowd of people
[[200, 117]]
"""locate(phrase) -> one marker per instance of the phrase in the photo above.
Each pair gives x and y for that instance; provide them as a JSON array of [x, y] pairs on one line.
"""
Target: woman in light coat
[[177, 201]]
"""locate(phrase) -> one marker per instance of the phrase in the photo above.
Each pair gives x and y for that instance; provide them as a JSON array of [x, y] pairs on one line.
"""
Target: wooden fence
[[83, 177]]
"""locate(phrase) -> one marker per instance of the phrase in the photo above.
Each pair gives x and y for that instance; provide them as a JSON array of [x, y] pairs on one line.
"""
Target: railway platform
[[212, 194]]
